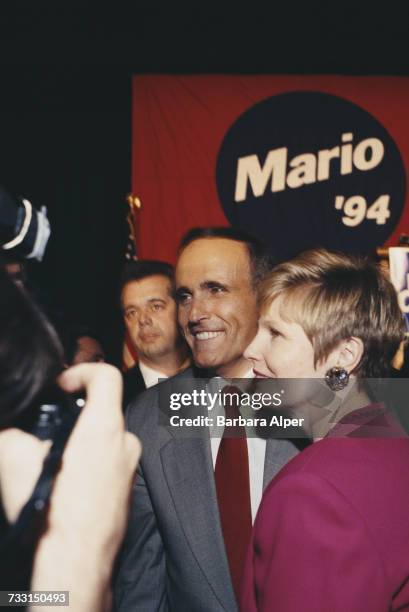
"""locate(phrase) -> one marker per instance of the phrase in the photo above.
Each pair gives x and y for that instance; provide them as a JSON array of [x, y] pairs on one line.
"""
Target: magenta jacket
[[332, 531]]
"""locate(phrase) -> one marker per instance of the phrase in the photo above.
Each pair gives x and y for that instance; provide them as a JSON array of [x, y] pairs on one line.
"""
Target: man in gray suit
[[174, 555]]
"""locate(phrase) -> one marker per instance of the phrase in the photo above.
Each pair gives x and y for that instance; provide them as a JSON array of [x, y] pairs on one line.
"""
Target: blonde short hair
[[334, 297]]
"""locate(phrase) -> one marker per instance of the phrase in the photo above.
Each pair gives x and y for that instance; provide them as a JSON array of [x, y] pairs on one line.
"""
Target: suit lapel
[[133, 384], [188, 469]]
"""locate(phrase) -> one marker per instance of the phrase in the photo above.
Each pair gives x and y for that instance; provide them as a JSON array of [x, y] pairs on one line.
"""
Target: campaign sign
[[298, 160], [304, 169]]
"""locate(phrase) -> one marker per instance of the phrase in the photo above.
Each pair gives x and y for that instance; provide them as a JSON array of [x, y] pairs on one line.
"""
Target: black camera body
[[52, 412]]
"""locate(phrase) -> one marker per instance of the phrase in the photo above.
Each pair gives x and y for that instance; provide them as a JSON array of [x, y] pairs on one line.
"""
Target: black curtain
[[65, 143]]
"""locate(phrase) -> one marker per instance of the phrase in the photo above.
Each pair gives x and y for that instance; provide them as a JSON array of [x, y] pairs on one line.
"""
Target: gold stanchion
[[135, 206]]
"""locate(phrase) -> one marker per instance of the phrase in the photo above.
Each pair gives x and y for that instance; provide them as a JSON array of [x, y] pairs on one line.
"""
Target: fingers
[[102, 413], [100, 426], [103, 388], [133, 449]]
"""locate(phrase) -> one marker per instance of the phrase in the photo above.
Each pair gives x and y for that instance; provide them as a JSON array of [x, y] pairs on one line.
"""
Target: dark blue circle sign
[[307, 169]]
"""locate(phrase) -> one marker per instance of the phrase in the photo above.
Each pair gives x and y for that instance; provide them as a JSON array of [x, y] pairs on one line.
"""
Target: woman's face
[[281, 348]]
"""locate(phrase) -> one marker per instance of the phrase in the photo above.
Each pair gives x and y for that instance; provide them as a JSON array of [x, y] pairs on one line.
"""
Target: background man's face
[[88, 350], [150, 316], [216, 303], [16, 270]]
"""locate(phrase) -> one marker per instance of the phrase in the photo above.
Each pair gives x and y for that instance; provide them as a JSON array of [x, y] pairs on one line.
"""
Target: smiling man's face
[[217, 306]]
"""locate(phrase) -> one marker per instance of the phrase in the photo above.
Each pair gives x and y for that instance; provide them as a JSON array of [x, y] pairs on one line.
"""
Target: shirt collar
[[150, 375]]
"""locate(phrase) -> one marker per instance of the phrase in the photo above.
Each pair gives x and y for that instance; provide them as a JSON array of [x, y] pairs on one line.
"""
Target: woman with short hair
[[332, 531]]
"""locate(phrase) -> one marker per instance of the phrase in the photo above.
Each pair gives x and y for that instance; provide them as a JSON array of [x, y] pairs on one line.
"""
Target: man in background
[[150, 318], [81, 343], [14, 268]]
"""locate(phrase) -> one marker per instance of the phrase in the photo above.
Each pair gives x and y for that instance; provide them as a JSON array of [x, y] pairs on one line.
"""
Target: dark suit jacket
[[174, 556], [134, 384], [332, 531]]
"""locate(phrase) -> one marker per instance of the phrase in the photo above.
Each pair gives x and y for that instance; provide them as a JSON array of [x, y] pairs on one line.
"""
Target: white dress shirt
[[150, 376], [256, 448]]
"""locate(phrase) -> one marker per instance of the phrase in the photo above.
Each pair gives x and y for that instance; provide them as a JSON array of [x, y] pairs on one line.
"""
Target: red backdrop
[[179, 123]]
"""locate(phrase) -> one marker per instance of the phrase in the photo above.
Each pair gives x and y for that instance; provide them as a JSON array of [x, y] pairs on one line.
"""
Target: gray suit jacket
[[173, 556]]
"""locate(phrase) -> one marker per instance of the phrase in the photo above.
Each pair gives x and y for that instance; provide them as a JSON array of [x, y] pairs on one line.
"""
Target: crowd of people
[[205, 520]]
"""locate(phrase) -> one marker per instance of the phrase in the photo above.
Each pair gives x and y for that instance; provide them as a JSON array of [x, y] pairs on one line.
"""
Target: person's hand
[[90, 498]]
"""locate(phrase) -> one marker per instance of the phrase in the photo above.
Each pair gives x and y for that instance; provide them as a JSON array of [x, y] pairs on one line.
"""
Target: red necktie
[[233, 491]]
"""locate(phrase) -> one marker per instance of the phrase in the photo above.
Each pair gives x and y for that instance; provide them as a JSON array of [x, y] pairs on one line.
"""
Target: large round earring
[[337, 378]]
